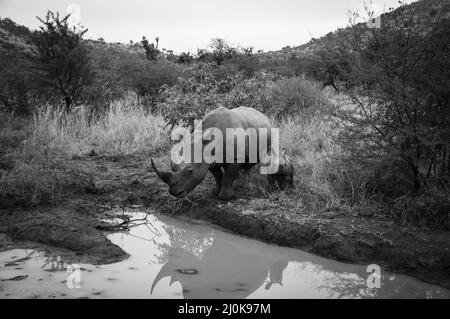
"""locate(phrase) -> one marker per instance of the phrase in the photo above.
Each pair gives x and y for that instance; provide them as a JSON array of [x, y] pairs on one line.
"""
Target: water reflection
[[229, 266], [223, 272], [170, 258], [224, 267], [276, 272]]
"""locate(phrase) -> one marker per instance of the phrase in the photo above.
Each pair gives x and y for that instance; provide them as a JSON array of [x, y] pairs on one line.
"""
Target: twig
[[126, 224], [190, 201]]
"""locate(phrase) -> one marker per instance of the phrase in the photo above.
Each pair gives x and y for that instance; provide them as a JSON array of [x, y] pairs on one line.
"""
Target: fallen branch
[[126, 223]]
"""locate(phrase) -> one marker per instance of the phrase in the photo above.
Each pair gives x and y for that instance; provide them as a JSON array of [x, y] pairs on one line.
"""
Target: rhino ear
[[175, 167], [166, 177]]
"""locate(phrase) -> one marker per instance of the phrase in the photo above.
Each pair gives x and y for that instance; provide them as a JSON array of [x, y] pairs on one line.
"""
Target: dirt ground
[[74, 227]]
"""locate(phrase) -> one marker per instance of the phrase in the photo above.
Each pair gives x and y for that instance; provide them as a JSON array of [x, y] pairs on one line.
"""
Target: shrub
[[399, 110], [191, 97], [254, 92], [200, 92], [294, 96], [429, 209]]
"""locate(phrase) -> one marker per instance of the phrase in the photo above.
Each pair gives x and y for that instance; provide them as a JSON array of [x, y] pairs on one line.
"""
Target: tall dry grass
[[322, 174], [42, 166], [128, 129], [322, 177]]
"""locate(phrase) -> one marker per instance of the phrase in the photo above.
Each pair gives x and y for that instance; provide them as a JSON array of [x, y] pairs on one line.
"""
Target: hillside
[[19, 36], [421, 15]]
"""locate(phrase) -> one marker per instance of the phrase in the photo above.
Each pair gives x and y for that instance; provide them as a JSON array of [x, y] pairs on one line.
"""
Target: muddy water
[[175, 259]]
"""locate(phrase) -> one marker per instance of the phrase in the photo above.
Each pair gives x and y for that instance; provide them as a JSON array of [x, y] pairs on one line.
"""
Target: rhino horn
[[163, 272], [166, 177]]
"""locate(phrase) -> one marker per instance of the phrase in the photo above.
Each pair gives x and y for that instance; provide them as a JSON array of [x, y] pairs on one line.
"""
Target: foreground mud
[[69, 228], [76, 224]]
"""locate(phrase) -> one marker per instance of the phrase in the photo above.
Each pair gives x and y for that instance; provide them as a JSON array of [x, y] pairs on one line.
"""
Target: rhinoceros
[[183, 181]]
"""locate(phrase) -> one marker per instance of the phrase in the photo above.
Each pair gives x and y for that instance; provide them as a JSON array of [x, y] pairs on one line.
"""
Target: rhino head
[[182, 180]]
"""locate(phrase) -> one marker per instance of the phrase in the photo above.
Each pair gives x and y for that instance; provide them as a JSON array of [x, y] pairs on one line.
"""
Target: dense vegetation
[[364, 112]]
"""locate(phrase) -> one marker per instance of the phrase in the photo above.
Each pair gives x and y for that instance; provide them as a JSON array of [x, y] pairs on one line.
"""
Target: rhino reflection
[[224, 272], [276, 272]]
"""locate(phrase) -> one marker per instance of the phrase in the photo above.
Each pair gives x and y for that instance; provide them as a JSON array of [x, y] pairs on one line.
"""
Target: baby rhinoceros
[[284, 177]]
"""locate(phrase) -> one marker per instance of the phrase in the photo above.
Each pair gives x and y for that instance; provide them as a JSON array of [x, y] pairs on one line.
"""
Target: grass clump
[[127, 128]]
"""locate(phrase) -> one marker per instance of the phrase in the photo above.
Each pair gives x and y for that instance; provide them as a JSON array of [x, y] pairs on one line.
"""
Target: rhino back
[[245, 117], [241, 117]]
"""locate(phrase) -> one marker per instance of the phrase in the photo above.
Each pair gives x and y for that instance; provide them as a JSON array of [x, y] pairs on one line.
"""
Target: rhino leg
[[231, 172], [217, 173]]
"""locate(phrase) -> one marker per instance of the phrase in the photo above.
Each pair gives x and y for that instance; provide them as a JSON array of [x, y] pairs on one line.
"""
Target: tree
[[331, 65], [217, 52], [151, 49], [245, 60], [63, 58], [401, 94], [221, 50], [185, 57]]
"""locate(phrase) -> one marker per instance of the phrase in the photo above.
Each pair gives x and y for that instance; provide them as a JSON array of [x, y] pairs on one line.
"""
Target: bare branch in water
[[190, 201]]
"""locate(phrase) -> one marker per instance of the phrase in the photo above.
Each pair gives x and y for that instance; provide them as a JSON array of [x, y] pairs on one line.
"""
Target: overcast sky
[[188, 25]]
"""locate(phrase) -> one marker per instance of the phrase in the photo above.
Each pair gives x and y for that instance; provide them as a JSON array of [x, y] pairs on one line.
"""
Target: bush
[[293, 96], [399, 111], [429, 209], [119, 70], [200, 92], [254, 92], [191, 97]]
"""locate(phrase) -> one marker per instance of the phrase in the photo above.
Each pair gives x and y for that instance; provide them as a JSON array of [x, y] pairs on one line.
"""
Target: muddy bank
[[121, 183], [71, 230]]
